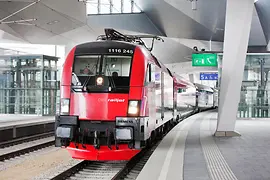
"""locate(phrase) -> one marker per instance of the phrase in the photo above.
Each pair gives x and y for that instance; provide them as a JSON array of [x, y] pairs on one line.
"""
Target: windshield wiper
[[110, 77]]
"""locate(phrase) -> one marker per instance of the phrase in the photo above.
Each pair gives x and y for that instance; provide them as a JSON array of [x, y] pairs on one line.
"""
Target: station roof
[[65, 22]]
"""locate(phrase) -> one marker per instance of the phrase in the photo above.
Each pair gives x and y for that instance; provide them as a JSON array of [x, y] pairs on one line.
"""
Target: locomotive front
[[101, 114]]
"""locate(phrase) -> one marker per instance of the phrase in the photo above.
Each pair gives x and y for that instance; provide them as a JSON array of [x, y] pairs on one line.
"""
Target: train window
[[153, 70], [117, 65], [86, 65], [75, 80], [147, 75], [116, 69], [150, 73]]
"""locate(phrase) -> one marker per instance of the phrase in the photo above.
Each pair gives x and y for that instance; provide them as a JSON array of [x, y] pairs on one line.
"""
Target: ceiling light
[[22, 21], [193, 4], [52, 22], [219, 29]]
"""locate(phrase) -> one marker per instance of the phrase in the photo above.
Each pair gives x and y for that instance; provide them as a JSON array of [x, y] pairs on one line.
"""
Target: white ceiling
[[171, 18]]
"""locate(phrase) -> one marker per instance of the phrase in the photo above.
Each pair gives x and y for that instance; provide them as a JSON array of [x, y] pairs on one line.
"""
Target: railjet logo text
[[117, 100]]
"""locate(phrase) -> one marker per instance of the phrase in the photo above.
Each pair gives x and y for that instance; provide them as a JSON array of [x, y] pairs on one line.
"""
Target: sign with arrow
[[204, 59]]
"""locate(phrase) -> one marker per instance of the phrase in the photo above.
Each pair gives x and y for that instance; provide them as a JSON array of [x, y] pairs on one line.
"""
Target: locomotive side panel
[[168, 97], [210, 99], [150, 88], [186, 100], [158, 95]]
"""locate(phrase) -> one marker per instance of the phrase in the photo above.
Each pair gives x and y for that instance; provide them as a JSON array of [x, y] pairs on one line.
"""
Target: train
[[117, 98]]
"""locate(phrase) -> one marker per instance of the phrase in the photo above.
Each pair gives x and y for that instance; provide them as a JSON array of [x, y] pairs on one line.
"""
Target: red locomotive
[[116, 97]]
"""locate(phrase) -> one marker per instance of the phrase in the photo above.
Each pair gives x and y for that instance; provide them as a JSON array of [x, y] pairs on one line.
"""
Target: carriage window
[[117, 66]]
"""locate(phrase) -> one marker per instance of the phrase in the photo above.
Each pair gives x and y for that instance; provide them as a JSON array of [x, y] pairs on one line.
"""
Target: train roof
[[95, 47], [101, 46], [203, 87], [179, 79]]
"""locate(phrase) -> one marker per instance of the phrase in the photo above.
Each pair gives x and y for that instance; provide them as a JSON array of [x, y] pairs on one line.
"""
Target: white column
[[191, 78], [237, 30], [268, 47]]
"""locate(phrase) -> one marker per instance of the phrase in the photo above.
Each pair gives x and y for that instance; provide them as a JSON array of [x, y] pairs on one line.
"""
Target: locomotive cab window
[[84, 66], [117, 66], [114, 71]]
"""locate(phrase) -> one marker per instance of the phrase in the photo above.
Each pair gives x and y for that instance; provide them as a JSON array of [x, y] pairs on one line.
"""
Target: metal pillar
[[42, 87], [191, 78], [236, 38]]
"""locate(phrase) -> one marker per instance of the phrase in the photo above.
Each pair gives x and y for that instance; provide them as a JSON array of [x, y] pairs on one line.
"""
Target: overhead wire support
[[111, 34]]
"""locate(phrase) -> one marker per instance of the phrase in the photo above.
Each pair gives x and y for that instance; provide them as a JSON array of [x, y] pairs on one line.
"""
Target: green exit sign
[[204, 59]]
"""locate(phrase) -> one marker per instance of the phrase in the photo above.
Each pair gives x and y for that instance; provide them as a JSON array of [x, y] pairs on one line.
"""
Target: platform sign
[[204, 60], [208, 76]]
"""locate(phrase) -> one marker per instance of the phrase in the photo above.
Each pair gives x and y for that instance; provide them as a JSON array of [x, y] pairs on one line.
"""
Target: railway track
[[25, 139], [111, 170], [92, 170], [128, 170], [133, 168], [9, 150]]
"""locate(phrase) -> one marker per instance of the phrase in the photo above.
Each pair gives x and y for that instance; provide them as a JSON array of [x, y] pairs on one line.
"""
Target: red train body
[[115, 98]]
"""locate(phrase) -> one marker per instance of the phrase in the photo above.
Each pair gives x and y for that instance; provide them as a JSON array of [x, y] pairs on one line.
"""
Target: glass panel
[[136, 9], [126, 6], [20, 85], [53, 64], [92, 8], [104, 6], [254, 95], [116, 6], [86, 65], [111, 6], [118, 66], [115, 71], [46, 63]]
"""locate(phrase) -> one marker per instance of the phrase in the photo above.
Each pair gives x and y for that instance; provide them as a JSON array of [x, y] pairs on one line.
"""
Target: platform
[[191, 152], [18, 126]]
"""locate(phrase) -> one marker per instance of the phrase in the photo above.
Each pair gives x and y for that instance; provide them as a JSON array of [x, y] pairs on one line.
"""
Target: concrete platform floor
[[8, 120], [191, 152]]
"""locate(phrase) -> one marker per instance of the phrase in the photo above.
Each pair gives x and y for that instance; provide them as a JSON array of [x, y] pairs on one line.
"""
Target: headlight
[[64, 106], [99, 81], [133, 107]]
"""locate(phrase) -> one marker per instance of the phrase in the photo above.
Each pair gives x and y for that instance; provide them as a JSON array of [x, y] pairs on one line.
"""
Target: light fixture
[[219, 29], [99, 81], [113, 65], [193, 4], [22, 21], [133, 107], [52, 22]]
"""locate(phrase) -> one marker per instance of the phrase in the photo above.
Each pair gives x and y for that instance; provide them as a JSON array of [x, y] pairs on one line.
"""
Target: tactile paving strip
[[216, 164]]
